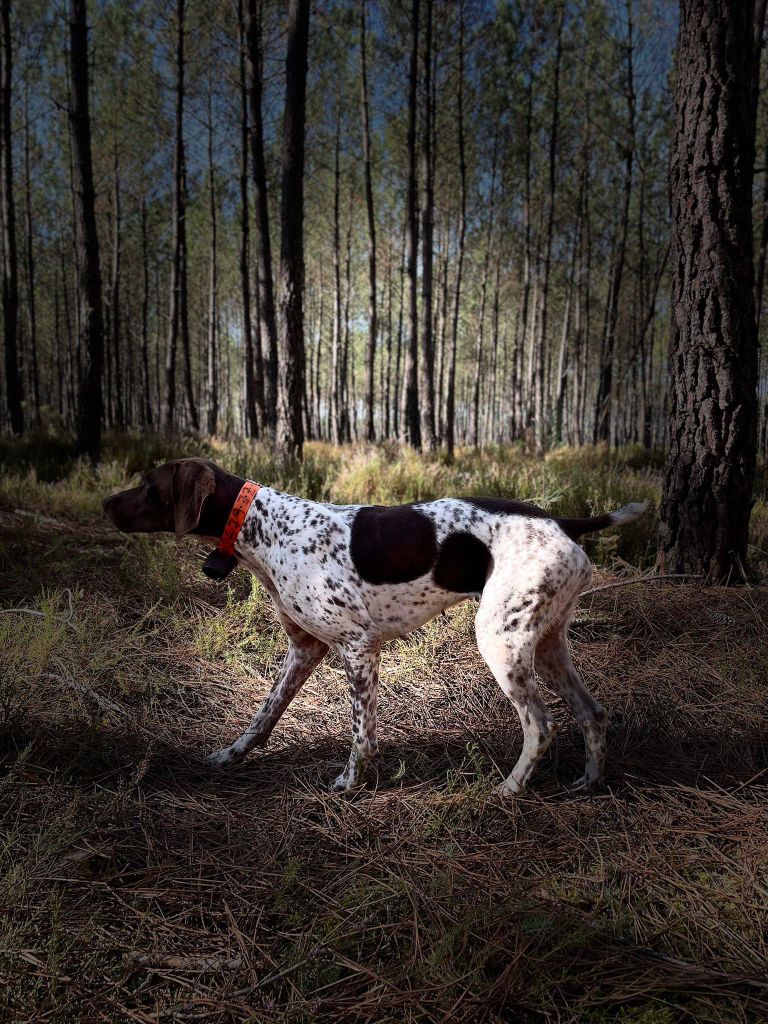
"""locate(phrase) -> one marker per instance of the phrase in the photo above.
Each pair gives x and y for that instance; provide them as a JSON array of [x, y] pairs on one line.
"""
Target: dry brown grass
[[139, 885]]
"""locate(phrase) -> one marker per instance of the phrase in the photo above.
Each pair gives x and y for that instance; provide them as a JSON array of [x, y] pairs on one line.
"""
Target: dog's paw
[[345, 786], [507, 790], [589, 786], [224, 758]]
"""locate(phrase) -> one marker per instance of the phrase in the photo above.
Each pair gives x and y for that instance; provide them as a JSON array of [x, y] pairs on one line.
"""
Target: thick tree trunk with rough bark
[[90, 314], [291, 397], [713, 350]]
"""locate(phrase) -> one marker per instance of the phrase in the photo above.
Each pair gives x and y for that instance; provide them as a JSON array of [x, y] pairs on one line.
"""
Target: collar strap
[[221, 561], [243, 502]]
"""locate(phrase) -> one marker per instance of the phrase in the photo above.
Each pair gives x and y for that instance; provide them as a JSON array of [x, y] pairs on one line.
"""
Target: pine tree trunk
[[266, 299], [427, 361], [89, 300], [292, 370], [255, 412], [713, 350], [450, 393], [337, 381], [31, 290], [602, 426], [14, 391], [540, 396], [370, 429], [145, 377], [411, 410], [114, 295], [178, 316], [212, 388], [480, 341]]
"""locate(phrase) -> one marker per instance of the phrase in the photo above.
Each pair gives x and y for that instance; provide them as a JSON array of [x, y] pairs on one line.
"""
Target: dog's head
[[169, 499]]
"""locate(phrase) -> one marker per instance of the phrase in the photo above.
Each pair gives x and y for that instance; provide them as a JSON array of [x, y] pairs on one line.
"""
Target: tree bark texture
[[370, 430], [713, 349], [89, 299], [266, 298], [290, 421], [412, 417], [10, 254]]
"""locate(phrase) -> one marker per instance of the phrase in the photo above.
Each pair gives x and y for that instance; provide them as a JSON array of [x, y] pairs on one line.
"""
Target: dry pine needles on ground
[[138, 885]]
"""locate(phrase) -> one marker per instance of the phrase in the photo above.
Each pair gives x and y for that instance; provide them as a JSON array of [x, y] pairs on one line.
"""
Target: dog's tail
[[576, 528]]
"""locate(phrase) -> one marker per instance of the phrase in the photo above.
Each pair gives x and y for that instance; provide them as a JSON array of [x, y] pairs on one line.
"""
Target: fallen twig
[[644, 579]]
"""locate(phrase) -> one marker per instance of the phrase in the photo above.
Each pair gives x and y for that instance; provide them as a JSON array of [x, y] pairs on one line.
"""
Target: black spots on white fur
[[392, 545], [463, 564]]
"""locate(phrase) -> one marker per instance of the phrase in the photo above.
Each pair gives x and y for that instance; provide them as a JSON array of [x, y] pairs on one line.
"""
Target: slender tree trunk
[[525, 318], [89, 319], [291, 398], [114, 294], [562, 359], [426, 364], [450, 395], [370, 429], [266, 298], [412, 416], [178, 316], [539, 399], [252, 416], [397, 418], [31, 290], [13, 385], [602, 428], [145, 377], [337, 380], [480, 342], [349, 392], [212, 388], [710, 468]]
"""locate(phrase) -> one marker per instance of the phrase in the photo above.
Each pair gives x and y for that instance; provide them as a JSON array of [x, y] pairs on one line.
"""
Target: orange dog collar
[[221, 561]]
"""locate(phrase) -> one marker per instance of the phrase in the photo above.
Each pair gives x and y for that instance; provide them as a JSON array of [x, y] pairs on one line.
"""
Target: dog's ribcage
[[342, 571]]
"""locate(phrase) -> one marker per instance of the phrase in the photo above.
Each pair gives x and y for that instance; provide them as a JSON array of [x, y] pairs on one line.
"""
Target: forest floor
[[139, 885]]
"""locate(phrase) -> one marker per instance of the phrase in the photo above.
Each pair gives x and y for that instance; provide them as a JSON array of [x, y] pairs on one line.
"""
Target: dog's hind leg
[[506, 638], [361, 662], [305, 653], [554, 665]]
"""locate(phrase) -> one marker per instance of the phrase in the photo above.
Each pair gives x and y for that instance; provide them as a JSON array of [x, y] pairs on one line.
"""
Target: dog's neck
[[217, 506]]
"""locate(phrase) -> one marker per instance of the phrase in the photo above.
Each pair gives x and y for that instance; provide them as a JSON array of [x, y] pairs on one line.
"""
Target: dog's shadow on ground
[[640, 752]]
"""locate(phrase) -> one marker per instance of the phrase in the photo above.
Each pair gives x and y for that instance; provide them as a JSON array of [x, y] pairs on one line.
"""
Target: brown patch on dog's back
[[392, 545]]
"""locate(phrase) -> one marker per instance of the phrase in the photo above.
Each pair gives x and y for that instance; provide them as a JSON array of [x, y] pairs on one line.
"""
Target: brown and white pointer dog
[[352, 576]]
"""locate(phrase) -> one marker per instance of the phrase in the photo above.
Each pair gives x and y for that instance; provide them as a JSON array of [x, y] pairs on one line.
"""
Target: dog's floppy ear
[[193, 482]]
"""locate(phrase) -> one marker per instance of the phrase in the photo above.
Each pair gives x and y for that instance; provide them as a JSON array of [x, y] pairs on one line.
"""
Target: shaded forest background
[[486, 229]]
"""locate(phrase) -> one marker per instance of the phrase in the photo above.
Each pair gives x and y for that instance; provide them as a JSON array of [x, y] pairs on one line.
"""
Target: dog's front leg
[[361, 661], [305, 653]]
